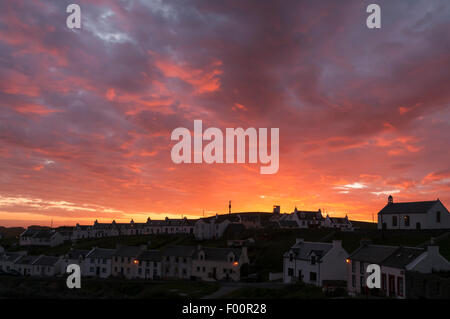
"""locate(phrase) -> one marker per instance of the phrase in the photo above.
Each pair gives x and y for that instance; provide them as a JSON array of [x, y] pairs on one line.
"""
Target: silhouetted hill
[[11, 231]]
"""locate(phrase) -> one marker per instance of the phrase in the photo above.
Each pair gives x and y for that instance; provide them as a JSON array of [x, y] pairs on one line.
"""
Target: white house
[[149, 264], [34, 236], [213, 227], [341, 223], [177, 262], [47, 266], [97, 263], [82, 232], [315, 262], [304, 219], [8, 260], [414, 215], [211, 264], [24, 264], [394, 262], [73, 256], [125, 261]]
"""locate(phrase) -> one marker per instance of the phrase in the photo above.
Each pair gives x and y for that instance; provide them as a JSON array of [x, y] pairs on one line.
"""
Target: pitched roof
[[128, 251], [308, 215], [101, 253], [372, 253], [11, 256], [44, 233], [180, 251], [221, 218], [46, 261], [77, 253], [303, 250], [26, 260], [402, 257], [408, 207], [339, 220], [151, 255], [218, 254]]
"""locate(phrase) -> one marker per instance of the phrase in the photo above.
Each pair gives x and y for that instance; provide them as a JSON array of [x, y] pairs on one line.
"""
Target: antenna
[[51, 223], [229, 207]]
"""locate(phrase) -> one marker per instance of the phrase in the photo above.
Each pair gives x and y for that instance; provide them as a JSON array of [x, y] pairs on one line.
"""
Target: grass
[[92, 288]]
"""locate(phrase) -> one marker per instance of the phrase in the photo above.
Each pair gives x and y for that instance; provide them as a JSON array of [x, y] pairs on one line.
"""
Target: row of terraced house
[[132, 262], [214, 227]]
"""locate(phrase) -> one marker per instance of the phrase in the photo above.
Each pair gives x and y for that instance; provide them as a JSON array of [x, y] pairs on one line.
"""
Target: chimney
[[390, 199]]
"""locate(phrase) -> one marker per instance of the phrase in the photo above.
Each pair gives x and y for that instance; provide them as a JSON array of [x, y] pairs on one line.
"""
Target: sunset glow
[[87, 115]]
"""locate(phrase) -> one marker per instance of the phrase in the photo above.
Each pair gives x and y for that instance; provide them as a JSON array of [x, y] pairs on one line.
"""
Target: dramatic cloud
[[86, 115]]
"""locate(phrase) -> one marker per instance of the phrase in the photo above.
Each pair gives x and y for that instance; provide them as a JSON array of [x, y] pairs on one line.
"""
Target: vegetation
[[34, 287]]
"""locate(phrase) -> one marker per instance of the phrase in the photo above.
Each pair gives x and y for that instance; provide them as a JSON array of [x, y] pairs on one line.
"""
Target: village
[[262, 250]]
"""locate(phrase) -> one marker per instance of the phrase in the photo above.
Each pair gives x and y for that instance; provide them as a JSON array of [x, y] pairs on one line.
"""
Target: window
[[313, 260], [438, 217], [353, 281], [406, 220], [361, 282], [361, 267], [400, 286], [312, 276], [290, 272], [353, 266], [394, 220], [291, 257]]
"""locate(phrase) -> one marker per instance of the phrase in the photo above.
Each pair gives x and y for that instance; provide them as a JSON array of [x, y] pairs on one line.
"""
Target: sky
[[87, 114]]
